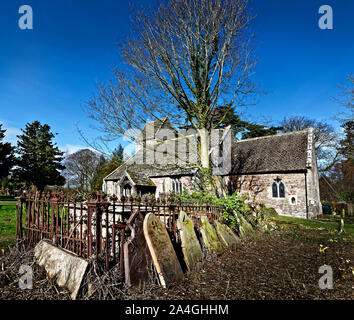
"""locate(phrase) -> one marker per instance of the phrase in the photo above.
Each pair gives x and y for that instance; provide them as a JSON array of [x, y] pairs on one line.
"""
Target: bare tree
[[81, 169], [325, 138], [346, 98], [182, 61]]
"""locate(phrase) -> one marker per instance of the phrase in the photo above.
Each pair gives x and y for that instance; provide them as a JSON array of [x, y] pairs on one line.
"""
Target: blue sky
[[47, 73]]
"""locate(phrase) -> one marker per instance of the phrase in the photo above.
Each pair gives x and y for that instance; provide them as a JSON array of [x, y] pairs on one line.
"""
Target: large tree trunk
[[205, 160], [204, 148]]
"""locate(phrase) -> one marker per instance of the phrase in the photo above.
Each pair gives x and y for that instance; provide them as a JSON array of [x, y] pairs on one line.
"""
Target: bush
[[236, 213]]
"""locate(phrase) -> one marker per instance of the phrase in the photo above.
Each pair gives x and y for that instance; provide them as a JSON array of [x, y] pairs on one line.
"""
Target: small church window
[[173, 186], [281, 190], [275, 190], [127, 190], [229, 188]]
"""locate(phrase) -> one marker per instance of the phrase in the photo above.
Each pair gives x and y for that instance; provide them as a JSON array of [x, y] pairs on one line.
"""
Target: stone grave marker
[[190, 245], [137, 258], [209, 236], [64, 266], [226, 235], [162, 252]]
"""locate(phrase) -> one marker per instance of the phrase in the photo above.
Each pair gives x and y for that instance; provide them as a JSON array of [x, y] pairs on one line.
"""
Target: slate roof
[[141, 173], [278, 153]]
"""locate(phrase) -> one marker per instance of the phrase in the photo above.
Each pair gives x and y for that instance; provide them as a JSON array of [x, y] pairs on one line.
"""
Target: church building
[[279, 171]]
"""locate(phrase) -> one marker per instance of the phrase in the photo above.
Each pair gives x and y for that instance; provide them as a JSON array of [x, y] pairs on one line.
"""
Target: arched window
[[275, 190], [173, 186], [281, 190], [180, 187]]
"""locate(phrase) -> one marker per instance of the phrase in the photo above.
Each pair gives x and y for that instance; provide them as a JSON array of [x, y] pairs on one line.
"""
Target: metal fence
[[96, 226]]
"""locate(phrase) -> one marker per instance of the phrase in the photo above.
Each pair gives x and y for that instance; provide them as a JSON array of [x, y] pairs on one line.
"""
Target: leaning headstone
[[209, 236], [67, 268], [137, 258], [226, 235], [161, 250], [190, 245]]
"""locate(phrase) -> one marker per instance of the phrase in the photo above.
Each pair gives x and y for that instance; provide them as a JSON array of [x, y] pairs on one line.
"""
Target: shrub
[[236, 213]]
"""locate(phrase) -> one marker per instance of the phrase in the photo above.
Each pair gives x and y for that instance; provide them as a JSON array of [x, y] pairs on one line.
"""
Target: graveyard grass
[[323, 229], [7, 225]]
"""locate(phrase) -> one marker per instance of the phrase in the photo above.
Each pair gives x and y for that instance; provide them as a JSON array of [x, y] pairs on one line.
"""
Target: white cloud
[[11, 132]]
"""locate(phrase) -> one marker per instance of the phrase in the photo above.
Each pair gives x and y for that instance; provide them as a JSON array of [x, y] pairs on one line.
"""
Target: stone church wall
[[259, 188]]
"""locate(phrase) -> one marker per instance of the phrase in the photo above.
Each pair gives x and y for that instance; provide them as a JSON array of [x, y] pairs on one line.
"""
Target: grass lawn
[[7, 226], [323, 229], [8, 203]]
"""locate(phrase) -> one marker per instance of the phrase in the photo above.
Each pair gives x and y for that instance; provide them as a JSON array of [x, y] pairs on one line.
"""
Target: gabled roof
[[278, 153], [141, 174], [136, 179]]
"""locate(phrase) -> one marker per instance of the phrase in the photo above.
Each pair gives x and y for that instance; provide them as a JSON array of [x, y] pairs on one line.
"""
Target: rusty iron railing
[[95, 227]]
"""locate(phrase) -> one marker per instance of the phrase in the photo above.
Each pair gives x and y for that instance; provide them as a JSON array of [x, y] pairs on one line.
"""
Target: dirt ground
[[281, 266]]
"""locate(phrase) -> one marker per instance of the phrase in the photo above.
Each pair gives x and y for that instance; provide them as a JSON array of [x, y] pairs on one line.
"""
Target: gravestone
[[137, 258], [226, 235], [209, 236], [190, 245], [163, 255], [64, 266]]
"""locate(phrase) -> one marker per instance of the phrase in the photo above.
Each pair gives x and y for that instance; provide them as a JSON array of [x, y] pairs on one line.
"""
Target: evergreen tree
[[99, 172], [118, 154], [223, 117], [115, 162], [7, 158], [39, 159], [347, 143]]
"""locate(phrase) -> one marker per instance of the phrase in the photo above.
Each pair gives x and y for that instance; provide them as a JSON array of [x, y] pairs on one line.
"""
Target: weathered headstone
[[226, 235], [209, 236], [190, 245], [161, 250], [137, 258], [67, 268]]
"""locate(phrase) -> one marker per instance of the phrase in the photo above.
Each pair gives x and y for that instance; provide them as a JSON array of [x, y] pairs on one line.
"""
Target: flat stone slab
[[191, 249], [68, 269], [209, 236], [162, 252], [137, 258], [226, 235]]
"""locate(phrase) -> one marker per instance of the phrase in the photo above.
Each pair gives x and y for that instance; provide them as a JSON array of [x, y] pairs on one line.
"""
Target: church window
[[275, 190], [281, 190]]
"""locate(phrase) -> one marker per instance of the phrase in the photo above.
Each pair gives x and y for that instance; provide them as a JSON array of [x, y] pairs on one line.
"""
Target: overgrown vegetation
[[238, 213]]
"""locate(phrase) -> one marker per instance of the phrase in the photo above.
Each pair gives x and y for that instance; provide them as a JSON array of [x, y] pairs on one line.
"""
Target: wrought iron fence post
[[19, 228], [90, 208], [98, 210]]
